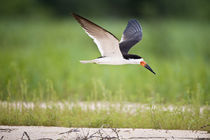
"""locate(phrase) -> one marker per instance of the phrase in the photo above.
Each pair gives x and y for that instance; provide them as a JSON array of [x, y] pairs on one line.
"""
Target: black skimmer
[[113, 51]]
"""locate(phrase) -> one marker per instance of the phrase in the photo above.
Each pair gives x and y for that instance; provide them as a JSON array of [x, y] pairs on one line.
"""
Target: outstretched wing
[[131, 35], [106, 42]]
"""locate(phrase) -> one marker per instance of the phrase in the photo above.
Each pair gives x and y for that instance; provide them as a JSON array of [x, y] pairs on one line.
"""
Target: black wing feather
[[131, 36]]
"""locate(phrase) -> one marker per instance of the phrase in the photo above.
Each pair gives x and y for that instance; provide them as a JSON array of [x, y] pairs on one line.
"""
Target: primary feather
[[131, 35], [106, 42]]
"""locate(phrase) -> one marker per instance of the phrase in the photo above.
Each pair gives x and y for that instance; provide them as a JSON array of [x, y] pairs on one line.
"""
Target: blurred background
[[41, 45], [185, 9]]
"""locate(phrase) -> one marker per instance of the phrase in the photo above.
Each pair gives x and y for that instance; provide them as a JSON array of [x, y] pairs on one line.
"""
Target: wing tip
[[135, 23], [79, 19], [76, 16]]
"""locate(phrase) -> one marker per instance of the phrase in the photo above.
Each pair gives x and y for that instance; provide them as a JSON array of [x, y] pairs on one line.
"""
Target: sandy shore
[[47, 133]]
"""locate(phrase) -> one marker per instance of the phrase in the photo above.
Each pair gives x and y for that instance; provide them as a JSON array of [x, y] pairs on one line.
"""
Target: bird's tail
[[87, 61]]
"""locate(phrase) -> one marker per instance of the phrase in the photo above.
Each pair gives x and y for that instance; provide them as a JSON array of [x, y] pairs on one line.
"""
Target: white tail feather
[[86, 61]]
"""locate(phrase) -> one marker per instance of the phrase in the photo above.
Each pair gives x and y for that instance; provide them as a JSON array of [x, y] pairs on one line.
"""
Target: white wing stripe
[[97, 43]]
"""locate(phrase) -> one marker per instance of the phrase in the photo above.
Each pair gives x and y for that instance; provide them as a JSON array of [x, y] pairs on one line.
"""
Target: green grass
[[157, 118], [39, 61]]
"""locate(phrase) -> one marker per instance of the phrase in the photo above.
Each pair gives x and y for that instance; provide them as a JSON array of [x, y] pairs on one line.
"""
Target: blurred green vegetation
[[41, 45], [156, 118], [187, 9], [39, 61]]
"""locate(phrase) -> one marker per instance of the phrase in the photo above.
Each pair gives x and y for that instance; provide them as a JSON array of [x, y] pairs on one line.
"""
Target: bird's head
[[135, 59]]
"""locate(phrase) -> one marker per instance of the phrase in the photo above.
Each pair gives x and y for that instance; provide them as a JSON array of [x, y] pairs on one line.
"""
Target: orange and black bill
[[148, 67], [144, 64]]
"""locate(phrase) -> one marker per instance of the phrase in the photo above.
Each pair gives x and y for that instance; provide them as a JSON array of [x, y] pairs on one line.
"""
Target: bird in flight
[[113, 51]]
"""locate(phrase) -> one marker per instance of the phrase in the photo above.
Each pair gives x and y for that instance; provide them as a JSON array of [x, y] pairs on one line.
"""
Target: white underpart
[[113, 61], [97, 43]]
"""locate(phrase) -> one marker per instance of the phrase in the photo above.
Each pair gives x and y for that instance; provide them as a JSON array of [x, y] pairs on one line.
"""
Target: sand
[[63, 133]]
